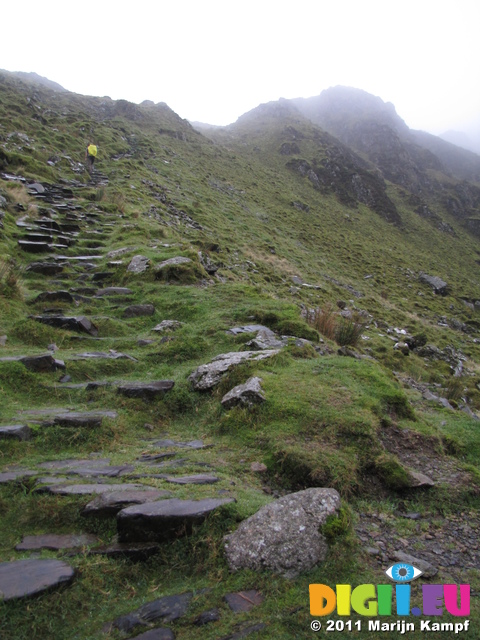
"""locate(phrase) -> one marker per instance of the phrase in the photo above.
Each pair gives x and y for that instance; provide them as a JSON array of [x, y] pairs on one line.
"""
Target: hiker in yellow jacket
[[90, 155]]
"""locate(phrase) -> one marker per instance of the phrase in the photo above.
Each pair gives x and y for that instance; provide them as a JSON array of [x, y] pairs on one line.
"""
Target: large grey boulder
[[284, 536], [206, 376], [245, 395], [138, 264]]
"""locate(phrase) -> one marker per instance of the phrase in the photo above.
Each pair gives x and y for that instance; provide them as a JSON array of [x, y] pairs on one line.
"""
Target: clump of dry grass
[[346, 331]]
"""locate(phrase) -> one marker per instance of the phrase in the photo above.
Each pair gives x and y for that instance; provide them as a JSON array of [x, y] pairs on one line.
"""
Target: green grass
[[324, 414]]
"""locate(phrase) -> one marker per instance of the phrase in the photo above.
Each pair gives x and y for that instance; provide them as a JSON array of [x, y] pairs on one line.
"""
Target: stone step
[[15, 432], [22, 578]]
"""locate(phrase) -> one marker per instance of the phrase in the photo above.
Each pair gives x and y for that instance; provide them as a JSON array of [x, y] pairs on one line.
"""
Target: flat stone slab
[[56, 542], [136, 551], [45, 268], [15, 432], [200, 478], [38, 364], [89, 419], [193, 444], [16, 475], [139, 310], [54, 296], [86, 489], [168, 608], [102, 355], [168, 325], [146, 390], [207, 376], [160, 633], [165, 519], [80, 324], [172, 262], [74, 463], [250, 328], [114, 291], [109, 504], [23, 578], [245, 395], [97, 471], [244, 600]]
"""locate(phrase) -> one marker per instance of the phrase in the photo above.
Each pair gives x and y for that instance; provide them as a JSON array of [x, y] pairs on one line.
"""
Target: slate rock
[[168, 609], [438, 285], [54, 296], [23, 578], [244, 600], [109, 504], [168, 325], [246, 631], [246, 394], [172, 262], [86, 489], [284, 535], [428, 569], [135, 551], [207, 376], [250, 328], [114, 291], [56, 542], [138, 310], [15, 432], [192, 444], [42, 364], [200, 478], [418, 479], [45, 268], [138, 264], [89, 419], [165, 519], [80, 324], [212, 615], [146, 390], [17, 475], [73, 463], [160, 633]]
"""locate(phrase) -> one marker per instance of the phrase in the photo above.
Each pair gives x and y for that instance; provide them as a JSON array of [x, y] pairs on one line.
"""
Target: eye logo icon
[[402, 572]]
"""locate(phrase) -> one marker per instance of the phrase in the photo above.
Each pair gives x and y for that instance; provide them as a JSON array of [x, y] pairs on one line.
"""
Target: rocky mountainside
[[234, 362]]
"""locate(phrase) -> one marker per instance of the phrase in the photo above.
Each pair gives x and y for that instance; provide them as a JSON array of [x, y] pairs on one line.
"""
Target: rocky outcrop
[[207, 376], [246, 394]]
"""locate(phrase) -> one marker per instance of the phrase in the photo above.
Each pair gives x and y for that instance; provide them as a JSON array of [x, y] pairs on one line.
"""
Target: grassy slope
[[323, 416]]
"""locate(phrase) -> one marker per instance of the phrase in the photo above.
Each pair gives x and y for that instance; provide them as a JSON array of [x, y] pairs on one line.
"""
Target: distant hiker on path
[[90, 155]]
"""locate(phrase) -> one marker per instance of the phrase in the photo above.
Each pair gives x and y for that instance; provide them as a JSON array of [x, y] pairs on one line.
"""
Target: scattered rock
[[244, 600], [56, 542], [284, 535], [212, 615], [80, 324], [246, 394], [146, 390], [428, 569], [168, 608], [200, 478], [206, 376], [15, 432], [41, 364], [86, 489], [23, 578], [165, 519], [138, 264], [138, 310], [438, 285], [168, 325], [89, 419], [114, 291]]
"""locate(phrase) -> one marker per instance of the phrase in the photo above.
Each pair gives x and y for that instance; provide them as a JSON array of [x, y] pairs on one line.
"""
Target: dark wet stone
[[86, 489], [193, 444], [41, 364], [51, 296], [34, 247], [246, 631], [137, 310], [168, 608], [244, 600], [135, 551], [102, 275], [114, 291], [23, 578], [144, 343], [213, 615], [146, 390], [89, 419], [165, 519], [80, 323], [154, 457], [56, 542], [45, 268], [109, 504], [161, 633], [15, 432], [200, 478], [16, 476]]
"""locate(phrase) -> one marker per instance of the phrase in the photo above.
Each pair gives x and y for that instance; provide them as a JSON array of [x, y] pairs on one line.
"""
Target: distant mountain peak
[[37, 79]]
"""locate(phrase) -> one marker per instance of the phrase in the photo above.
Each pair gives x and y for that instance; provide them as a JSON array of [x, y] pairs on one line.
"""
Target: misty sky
[[213, 60]]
